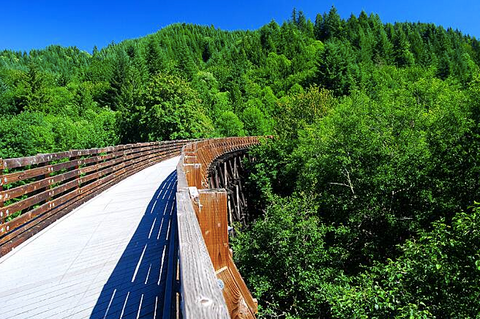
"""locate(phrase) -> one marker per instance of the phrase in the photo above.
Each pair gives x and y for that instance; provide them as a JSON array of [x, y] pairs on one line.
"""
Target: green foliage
[[255, 122], [376, 166], [296, 112], [435, 276], [230, 125], [296, 269], [258, 75], [337, 69], [287, 257], [167, 109], [381, 170], [32, 133]]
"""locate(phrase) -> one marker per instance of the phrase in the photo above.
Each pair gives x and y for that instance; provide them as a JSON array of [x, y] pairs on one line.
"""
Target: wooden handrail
[[37, 190], [212, 287]]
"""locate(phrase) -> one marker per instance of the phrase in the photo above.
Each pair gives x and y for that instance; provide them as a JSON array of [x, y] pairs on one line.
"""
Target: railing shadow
[[142, 283]]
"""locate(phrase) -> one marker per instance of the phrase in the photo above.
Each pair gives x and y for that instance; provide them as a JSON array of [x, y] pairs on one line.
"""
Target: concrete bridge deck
[[113, 257]]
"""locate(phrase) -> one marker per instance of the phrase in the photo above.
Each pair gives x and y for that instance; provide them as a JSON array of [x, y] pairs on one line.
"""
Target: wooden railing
[[35, 191], [38, 190], [212, 287]]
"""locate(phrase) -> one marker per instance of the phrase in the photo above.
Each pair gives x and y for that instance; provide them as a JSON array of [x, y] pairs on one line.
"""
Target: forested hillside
[[197, 81], [365, 198]]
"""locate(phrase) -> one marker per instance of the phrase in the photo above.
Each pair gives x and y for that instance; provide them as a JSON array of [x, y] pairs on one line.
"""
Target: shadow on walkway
[[144, 278]]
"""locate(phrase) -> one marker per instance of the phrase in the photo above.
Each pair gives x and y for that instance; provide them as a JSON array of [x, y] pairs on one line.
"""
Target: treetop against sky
[[29, 25]]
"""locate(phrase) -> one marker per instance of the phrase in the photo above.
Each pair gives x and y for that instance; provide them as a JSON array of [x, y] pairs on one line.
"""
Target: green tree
[[434, 277], [337, 70], [333, 24], [229, 124], [254, 119], [401, 48], [169, 109], [153, 56], [296, 113]]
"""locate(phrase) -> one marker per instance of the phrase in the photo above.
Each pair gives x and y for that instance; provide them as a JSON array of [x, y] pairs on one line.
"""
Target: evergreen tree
[[319, 27], [153, 56], [353, 31], [337, 69], [333, 24], [401, 48], [383, 50], [186, 64], [444, 66], [120, 77]]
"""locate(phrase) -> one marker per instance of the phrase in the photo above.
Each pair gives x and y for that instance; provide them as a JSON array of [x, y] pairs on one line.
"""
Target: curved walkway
[[113, 257]]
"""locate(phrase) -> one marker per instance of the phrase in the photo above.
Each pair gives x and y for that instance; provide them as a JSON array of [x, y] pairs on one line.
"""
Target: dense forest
[[365, 198]]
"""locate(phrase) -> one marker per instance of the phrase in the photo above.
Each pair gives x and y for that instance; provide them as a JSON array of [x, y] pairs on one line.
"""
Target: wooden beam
[[2, 196], [202, 296]]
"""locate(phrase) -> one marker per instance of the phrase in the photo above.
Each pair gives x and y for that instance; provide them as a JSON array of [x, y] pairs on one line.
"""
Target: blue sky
[[35, 24]]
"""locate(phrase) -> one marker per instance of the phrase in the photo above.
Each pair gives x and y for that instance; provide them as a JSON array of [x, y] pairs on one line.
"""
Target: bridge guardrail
[[212, 287], [35, 191]]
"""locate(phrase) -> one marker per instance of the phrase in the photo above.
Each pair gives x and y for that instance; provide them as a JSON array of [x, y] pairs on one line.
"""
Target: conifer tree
[[333, 24], [401, 48], [153, 58], [319, 28]]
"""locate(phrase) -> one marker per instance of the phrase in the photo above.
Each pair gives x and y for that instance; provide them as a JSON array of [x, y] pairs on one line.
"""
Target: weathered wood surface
[[207, 268], [40, 189], [113, 257], [202, 296]]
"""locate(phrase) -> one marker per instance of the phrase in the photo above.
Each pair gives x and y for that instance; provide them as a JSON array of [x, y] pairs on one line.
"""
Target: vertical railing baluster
[[47, 177], [2, 199]]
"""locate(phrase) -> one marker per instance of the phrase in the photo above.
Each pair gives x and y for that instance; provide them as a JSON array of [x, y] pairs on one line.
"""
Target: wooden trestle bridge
[[131, 231]]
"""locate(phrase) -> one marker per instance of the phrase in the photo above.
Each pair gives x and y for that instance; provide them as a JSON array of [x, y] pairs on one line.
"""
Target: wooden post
[[238, 204], [46, 176], [2, 199], [221, 181], [193, 174], [225, 176], [213, 222], [201, 296], [229, 211], [235, 168]]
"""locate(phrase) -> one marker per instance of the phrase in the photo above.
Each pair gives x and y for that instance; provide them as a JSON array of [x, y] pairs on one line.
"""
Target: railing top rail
[[11, 163]]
